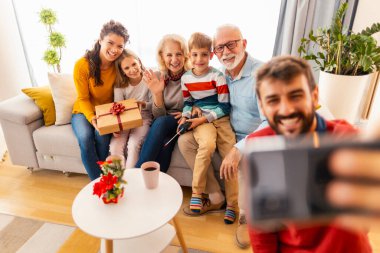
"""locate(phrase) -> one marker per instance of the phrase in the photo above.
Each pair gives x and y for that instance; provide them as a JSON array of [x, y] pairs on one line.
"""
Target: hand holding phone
[[289, 179]]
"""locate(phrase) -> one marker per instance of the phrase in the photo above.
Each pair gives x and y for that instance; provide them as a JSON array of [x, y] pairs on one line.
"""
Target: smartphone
[[287, 178]]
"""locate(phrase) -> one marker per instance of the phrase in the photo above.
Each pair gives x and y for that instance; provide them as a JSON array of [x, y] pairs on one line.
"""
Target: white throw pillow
[[64, 95]]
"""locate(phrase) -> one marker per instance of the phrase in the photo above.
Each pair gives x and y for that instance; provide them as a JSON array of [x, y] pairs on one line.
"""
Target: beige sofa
[[34, 145]]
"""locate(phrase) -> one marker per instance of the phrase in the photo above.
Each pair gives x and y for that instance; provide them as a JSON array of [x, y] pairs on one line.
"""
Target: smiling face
[[289, 106], [200, 58], [111, 47], [132, 69], [173, 57], [233, 47]]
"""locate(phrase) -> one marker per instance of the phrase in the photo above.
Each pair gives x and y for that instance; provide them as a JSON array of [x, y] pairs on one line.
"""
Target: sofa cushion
[[64, 95], [56, 140], [177, 159], [184, 176], [44, 100]]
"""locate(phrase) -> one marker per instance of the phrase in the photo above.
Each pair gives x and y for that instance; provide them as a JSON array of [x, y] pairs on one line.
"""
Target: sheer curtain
[[147, 21], [298, 17]]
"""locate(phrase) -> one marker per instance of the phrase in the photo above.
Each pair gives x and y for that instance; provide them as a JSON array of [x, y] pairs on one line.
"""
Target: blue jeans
[[161, 131], [93, 147]]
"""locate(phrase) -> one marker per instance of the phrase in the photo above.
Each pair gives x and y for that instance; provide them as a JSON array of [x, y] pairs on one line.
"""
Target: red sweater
[[322, 239]]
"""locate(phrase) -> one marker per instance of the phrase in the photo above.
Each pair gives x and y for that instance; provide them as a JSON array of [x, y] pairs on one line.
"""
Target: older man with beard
[[288, 97], [239, 68]]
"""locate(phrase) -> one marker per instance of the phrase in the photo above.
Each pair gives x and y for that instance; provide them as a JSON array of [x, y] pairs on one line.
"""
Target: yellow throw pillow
[[44, 100]]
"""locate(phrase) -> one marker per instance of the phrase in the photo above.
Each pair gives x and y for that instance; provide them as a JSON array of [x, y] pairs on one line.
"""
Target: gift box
[[118, 116]]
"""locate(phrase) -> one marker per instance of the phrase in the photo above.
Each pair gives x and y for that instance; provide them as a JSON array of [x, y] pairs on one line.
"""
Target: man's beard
[[307, 122], [238, 58]]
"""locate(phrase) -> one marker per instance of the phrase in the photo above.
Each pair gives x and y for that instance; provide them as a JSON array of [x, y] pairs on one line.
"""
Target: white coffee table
[[139, 222]]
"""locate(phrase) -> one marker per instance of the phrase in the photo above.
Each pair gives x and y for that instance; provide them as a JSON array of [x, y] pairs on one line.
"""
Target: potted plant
[[110, 187], [53, 55], [347, 62]]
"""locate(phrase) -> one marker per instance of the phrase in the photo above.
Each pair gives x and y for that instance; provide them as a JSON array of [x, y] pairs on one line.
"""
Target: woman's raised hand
[[155, 84]]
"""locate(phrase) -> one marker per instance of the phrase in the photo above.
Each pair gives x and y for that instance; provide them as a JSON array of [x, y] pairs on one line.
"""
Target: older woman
[[94, 76], [172, 58]]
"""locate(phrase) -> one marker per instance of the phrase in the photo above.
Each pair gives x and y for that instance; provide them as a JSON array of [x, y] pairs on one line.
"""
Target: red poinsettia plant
[[111, 184]]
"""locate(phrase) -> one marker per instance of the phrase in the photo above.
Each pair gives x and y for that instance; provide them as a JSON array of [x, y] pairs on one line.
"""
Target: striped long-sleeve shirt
[[209, 92]]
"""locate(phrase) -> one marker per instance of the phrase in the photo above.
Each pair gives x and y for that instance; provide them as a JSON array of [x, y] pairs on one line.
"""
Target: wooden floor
[[48, 195]]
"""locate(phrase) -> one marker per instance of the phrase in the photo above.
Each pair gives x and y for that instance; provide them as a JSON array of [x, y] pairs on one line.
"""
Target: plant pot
[[114, 199], [344, 96]]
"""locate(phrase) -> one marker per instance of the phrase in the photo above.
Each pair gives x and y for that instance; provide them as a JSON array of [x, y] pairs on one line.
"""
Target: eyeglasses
[[230, 45]]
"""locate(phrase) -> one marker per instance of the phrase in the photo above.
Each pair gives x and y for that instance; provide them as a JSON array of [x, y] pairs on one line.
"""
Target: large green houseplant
[[339, 51], [347, 62]]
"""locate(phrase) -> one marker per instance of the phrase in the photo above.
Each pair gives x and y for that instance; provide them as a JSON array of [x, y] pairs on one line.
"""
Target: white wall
[[258, 25], [368, 12], [13, 71], [147, 21]]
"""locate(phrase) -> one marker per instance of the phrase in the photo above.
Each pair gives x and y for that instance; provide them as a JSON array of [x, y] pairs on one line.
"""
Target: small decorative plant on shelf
[[111, 185], [342, 52], [53, 55]]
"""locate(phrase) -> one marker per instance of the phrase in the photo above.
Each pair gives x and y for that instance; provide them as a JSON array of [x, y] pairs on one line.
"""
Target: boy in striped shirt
[[205, 87]]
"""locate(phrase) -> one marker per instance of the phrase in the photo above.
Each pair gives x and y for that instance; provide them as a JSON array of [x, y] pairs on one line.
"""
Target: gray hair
[[227, 27]]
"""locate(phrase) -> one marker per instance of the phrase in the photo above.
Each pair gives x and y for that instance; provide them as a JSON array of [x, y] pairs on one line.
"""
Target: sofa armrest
[[19, 117], [20, 109]]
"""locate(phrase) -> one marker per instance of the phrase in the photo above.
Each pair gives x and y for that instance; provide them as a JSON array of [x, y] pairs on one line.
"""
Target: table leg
[[179, 235], [109, 246]]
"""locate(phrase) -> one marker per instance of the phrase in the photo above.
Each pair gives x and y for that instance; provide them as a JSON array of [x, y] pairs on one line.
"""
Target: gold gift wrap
[[127, 119]]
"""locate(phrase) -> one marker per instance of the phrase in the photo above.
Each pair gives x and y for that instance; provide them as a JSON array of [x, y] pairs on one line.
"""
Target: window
[[147, 21]]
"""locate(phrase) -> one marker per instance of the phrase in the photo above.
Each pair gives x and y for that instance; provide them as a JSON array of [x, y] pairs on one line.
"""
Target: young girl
[[129, 84]]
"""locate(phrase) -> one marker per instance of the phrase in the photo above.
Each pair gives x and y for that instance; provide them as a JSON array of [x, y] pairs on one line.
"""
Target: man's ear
[[315, 97], [211, 55], [244, 43], [261, 109], [260, 103]]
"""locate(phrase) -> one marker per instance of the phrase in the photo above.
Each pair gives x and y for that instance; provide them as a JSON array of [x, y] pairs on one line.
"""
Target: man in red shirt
[[288, 97]]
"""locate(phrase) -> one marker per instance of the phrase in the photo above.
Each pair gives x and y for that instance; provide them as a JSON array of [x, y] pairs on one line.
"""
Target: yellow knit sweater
[[88, 95]]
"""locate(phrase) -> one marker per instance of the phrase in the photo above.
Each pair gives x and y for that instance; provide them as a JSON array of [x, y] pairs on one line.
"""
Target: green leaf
[[371, 30], [321, 55], [51, 57], [48, 17], [57, 40]]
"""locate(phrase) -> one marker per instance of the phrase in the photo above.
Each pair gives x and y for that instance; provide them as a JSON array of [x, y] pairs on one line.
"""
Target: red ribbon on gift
[[117, 109]]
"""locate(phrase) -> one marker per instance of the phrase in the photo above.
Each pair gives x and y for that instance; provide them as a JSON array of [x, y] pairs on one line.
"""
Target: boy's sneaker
[[207, 207], [230, 215], [242, 237]]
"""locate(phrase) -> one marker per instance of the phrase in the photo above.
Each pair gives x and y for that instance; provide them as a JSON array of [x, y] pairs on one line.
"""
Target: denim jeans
[[93, 147], [161, 131]]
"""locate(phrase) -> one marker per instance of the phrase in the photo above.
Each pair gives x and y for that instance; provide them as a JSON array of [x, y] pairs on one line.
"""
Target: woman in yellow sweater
[[94, 76]]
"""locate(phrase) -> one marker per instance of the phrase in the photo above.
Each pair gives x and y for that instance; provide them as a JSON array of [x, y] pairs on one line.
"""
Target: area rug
[[26, 235], [22, 235]]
